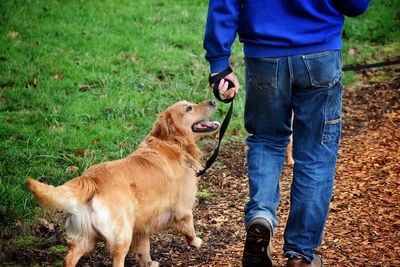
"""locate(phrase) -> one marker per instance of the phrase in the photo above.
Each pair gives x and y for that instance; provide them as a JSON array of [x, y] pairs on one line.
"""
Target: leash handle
[[215, 80]]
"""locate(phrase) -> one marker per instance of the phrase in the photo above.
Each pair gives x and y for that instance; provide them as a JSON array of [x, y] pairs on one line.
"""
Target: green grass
[[59, 249], [375, 35], [82, 82], [204, 194], [25, 241]]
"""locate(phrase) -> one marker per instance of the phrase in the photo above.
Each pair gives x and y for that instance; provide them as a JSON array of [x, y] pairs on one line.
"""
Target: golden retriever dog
[[122, 202]]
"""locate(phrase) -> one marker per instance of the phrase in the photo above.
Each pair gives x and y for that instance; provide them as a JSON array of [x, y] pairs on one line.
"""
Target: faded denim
[[310, 87]]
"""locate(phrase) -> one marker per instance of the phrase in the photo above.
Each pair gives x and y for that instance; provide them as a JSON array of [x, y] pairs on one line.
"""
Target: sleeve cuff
[[219, 65]]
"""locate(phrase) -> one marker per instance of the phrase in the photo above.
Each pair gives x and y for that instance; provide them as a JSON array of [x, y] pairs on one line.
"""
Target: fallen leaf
[[129, 127], [123, 145], [135, 60], [72, 169], [58, 76], [13, 34], [32, 83], [82, 152], [86, 87], [58, 128], [46, 224], [352, 52]]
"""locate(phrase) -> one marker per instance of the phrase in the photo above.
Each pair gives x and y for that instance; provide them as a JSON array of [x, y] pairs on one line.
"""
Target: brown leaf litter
[[363, 227]]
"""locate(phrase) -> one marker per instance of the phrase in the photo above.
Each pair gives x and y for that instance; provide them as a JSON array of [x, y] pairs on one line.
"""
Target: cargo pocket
[[331, 132], [262, 73], [324, 68], [333, 115]]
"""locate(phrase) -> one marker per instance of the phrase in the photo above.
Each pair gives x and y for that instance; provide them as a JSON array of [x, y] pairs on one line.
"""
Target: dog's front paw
[[196, 242], [154, 264]]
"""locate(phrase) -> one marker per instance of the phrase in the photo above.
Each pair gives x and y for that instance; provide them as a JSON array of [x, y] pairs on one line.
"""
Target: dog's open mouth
[[205, 126]]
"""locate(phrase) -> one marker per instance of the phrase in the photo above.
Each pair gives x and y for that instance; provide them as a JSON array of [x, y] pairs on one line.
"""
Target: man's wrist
[[219, 65]]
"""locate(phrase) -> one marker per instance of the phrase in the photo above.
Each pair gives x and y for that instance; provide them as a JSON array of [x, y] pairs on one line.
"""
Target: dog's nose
[[212, 103]]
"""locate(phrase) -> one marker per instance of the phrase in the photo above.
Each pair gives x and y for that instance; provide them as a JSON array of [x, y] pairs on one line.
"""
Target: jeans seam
[[308, 70], [332, 83], [320, 54], [275, 83], [325, 118], [266, 59], [290, 71]]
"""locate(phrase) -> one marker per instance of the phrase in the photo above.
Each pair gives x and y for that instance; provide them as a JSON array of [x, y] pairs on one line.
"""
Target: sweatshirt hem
[[262, 50]]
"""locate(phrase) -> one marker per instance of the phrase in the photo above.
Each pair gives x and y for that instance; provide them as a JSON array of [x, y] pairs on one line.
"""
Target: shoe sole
[[256, 252]]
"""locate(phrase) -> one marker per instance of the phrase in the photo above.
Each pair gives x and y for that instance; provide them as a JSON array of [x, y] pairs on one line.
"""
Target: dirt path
[[363, 227]]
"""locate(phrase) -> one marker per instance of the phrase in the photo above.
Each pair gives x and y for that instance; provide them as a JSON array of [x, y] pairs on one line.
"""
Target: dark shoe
[[300, 262], [257, 252]]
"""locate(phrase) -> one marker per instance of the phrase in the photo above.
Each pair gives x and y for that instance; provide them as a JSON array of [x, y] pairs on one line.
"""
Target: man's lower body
[[309, 87]]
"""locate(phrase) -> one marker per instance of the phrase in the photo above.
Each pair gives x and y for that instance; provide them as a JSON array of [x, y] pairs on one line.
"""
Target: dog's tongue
[[209, 124], [206, 125]]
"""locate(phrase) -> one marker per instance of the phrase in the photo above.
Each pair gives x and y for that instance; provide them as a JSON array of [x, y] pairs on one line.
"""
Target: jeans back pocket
[[262, 73], [324, 68]]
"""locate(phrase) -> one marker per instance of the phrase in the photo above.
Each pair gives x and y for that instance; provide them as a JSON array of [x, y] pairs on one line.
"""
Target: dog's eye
[[189, 108]]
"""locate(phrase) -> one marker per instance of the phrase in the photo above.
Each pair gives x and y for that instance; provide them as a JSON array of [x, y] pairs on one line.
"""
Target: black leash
[[370, 66], [215, 80]]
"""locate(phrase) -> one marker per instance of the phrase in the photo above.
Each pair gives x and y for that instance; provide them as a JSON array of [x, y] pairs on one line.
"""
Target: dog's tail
[[67, 197]]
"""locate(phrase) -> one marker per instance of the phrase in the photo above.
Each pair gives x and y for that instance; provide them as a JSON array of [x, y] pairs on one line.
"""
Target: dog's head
[[186, 120]]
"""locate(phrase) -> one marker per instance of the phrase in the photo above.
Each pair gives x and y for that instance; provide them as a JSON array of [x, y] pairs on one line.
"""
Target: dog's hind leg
[[141, 246], [184, 225], [81, 237], [119, 245], [119, 252], [75, 252], [73, 256]]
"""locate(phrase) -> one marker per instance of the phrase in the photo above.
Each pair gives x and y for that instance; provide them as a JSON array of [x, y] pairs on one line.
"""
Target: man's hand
[[223, 85]]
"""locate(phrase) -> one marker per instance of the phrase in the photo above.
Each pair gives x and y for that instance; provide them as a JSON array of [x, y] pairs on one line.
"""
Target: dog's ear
[[164, 126]]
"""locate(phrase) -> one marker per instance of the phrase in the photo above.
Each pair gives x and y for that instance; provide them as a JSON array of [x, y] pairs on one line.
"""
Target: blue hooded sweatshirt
[[272, 28]]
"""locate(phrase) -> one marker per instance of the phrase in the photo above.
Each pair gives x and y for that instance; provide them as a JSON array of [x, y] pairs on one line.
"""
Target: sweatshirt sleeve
[[221, 27], [352, 8]]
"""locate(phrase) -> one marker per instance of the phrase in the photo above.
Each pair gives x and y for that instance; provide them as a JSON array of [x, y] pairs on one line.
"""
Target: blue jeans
[[310, 87]]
